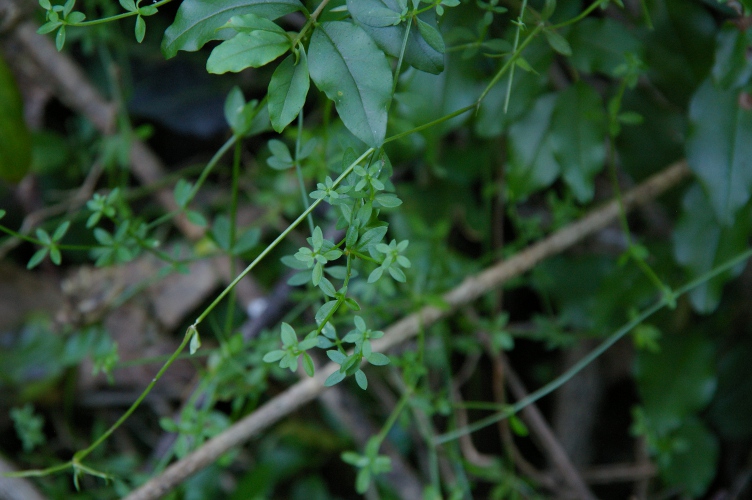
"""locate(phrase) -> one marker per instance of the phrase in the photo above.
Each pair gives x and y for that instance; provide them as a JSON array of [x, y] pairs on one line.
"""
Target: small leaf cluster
[[282, 158], [50, 245], [141, 12], [370, 464], [361, 336], [58, 17], [292, 350], [29, 427]]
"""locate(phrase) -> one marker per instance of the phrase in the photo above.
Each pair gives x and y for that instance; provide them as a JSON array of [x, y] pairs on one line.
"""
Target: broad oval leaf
[[348, 67], [288, 89], [701, 244], [719, 148], [247, 50], [418, 52], [196, 21], [578, 133]]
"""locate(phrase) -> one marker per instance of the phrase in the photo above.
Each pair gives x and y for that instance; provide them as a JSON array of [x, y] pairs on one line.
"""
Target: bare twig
[[546, 437], [472, 288]]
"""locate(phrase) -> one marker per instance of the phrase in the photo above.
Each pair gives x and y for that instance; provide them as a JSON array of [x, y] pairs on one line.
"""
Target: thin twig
[[470, 289], [546, 437]]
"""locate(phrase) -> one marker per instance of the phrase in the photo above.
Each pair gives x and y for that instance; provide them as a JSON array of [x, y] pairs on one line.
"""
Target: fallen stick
[[471, 288]]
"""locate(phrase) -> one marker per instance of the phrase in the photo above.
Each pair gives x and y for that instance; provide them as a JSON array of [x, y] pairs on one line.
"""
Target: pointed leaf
[[247, 50], [418, 52], [288, 89], [719, 148], [196, 21], [348, 67]]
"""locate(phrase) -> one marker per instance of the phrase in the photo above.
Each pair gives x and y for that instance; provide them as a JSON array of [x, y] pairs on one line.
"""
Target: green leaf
[[324, 311], [60, 38], [418, 52], [700, 244], [733, 66], [692, 465], [197, 21], [221, 232], [676, 382], [719, 148], [599, 45], [334, 379], [60, 231], [371, 237], [128, 5], [140, 29], [361, 379], [247, 50], [37, 258], [251, 22], [15, 138], [238, 113], [558, 43], [532, 165], [578, 132], [196, 218], [378, 359], [288, 335], [288, 89], [181, 192], [348, 67], [431, 35], [308, 364]]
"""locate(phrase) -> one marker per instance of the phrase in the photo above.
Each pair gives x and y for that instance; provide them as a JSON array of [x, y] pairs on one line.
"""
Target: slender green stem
[[514, 51], [204, 174], [595, 353], [80, 455], [115, 18], [233, 232], [510, 61], [310, 22], [299, 171], [277, 240], [582, 15]]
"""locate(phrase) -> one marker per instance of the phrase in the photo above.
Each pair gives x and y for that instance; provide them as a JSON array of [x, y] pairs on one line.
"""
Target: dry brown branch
[[470, 289], [546, 438]]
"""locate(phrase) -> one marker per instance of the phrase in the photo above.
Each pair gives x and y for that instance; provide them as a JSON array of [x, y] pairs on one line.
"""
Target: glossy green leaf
[[248, 23], [578, 132], [598, 45], [692, 465], [247, 50], [15, 138], [700, 244], [677, 381], [374, 13], [419, 53], [431, 35], [532, 165], [288, 89], [196, 21], [719, 148], [348, 67]]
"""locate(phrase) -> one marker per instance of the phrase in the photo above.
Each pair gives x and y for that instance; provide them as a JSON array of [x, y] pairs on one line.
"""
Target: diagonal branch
[[404, 329]]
